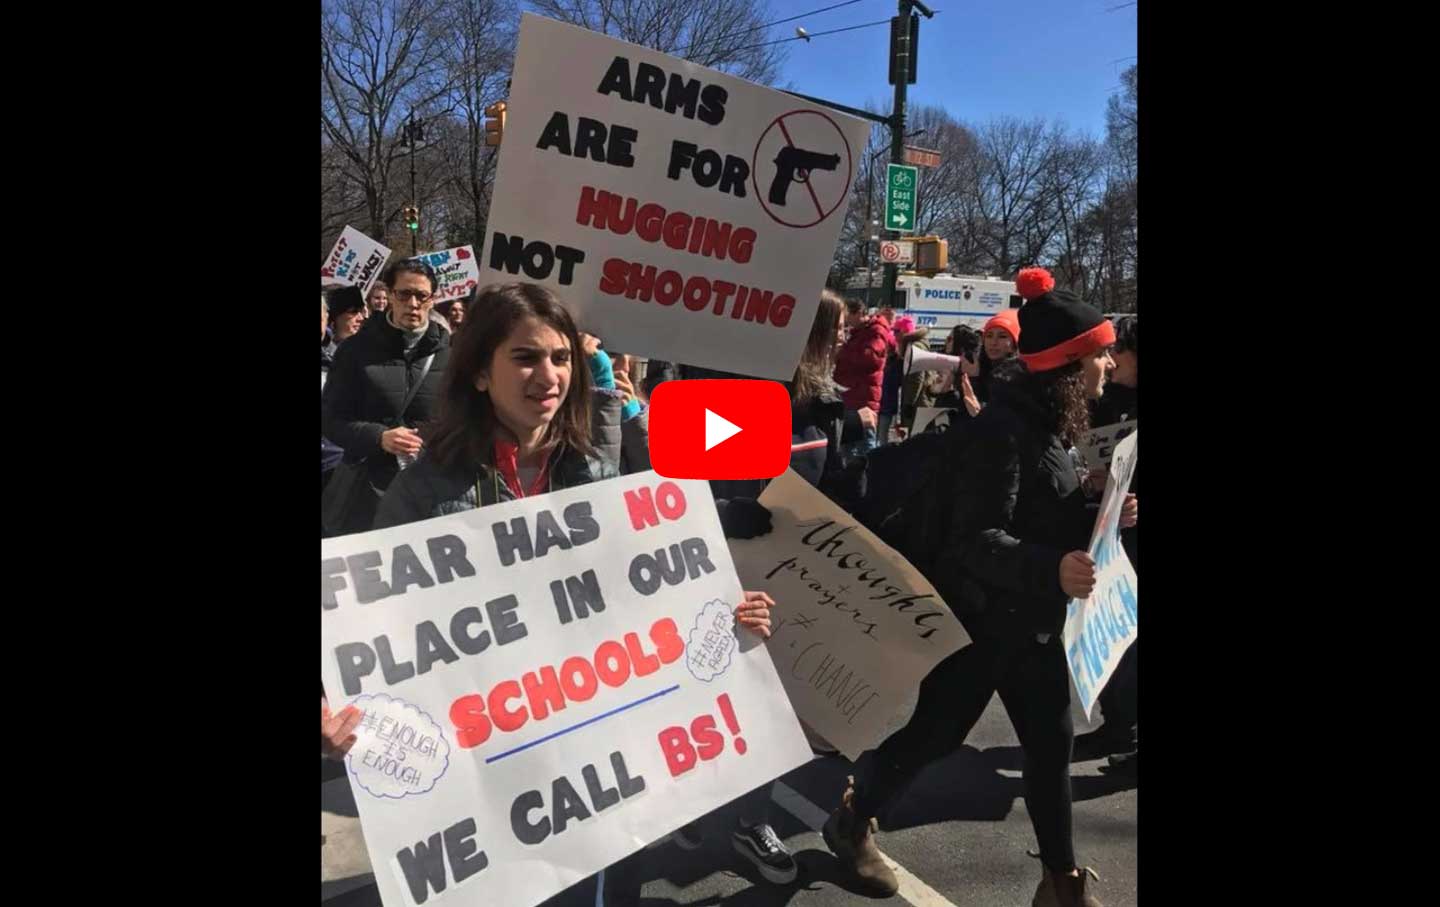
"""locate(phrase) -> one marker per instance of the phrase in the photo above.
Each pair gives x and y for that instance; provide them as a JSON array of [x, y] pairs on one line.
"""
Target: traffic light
[[904, 48], [932, 255], [411, 214], [495, 123]]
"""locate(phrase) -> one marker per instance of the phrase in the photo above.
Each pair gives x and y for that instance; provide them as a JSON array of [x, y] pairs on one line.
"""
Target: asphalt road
[[960, 833]]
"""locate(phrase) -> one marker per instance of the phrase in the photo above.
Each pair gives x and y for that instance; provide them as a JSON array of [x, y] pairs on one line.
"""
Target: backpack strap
[[415, 388]]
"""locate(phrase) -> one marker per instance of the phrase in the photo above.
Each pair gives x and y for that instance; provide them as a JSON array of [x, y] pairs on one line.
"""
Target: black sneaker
[[688, 837], [1123, 764], [760, 845]]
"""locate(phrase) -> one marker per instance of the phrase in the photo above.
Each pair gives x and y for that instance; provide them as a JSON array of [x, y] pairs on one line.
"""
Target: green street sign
[[901, 183]]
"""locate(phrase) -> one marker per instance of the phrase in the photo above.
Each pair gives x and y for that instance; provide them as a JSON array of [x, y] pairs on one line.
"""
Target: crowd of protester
[[429, 409]]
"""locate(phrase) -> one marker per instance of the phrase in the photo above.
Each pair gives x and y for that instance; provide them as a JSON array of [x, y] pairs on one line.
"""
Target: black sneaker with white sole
[[760, 845]]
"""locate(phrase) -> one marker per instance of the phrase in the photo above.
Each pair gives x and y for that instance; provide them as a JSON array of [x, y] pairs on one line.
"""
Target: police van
[[941, 302]]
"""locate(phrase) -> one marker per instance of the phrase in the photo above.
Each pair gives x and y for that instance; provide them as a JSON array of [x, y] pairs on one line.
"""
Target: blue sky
[[978, 58]]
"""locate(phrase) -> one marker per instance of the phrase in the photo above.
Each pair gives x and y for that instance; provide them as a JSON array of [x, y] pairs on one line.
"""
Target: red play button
[[720, 429]]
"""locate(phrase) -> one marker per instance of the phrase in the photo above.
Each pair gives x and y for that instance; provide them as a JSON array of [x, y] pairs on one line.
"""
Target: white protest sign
[[680, 213], [456, 271], [356, 260], [924, 415], [1100, 628], [549, 684], [1098, 446], [856, 627]]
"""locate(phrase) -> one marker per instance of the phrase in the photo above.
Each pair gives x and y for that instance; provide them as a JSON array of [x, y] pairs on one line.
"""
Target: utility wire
[[823, 9], [833, 31]]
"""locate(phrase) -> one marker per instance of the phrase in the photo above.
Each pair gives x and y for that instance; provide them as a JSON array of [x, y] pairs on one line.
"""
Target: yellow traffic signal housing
[[932, 255], [495, 123]]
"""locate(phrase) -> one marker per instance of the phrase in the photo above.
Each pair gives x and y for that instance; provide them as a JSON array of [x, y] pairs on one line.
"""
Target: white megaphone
[[922, 360]]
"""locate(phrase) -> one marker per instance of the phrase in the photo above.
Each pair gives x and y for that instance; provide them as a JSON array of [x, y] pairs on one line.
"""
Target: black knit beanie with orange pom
[[1056, 327]]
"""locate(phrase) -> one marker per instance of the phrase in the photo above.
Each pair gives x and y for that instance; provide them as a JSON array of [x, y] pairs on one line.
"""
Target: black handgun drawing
[[794, 165]]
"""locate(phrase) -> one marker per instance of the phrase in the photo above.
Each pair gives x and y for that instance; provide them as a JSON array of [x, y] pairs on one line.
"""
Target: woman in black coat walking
[[1013, 554]]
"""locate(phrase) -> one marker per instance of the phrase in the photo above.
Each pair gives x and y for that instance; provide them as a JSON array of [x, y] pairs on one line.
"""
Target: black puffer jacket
[[1016, 509], [427, 489], [370, 378]]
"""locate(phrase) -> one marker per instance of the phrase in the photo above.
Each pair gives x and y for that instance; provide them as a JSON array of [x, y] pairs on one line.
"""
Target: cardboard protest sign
[[548, 684], [856, 627], [681, 213], [1098, 446], [456, 271], [356, 260], [1100, 628]]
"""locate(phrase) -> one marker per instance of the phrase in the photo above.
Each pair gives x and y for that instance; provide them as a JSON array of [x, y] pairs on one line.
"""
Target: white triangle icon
[[718, 429]]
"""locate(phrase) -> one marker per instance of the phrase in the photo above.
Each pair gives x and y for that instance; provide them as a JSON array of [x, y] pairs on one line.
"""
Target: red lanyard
[[509, 470]]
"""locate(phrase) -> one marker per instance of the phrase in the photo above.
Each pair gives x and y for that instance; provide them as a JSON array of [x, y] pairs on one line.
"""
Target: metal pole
[[897, 131], [410, 139], [869, 228]]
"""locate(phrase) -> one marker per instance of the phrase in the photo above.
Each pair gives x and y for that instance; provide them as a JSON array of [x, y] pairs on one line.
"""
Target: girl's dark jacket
[[428, 489], [1016, 508]]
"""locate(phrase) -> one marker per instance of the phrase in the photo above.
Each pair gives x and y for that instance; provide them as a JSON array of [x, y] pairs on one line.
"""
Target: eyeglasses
[[417, 295]]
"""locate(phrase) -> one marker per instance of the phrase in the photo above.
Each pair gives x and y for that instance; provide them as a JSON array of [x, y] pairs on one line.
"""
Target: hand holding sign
[[1130, 512], [337, 732], [754, 613], [1077, 574]]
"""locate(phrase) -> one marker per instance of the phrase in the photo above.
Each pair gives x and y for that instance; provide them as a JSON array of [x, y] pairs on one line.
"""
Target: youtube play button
[[720, 429], [717, 429]]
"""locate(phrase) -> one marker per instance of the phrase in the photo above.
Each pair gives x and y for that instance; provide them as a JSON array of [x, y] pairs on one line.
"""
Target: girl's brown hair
[[812, 375], [464, 434]]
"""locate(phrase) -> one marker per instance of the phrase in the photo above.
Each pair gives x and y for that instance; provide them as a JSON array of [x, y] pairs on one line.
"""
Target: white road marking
[[912, 888]]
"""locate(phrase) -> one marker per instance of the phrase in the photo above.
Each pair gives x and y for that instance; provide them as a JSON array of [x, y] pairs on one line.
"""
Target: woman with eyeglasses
[[383, 387]]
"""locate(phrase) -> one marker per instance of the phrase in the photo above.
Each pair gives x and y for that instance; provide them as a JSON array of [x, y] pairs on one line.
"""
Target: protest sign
[[1098, 446], [356, 260], [679, 212], [1100, 628], [549, 684], [857, 627], [456, 272]]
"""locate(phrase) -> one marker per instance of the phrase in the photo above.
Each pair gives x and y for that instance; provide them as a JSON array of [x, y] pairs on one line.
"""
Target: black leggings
[[1032, 680]]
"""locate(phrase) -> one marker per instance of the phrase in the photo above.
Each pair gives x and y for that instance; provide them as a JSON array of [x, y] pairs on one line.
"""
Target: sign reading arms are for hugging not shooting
[[679, 212]]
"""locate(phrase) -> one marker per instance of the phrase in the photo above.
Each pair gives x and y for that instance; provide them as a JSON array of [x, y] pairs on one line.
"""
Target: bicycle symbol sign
[[900, 200]]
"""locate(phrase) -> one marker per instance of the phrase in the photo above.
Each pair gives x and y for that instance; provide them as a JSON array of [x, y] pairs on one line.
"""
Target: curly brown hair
[[1061, 393]]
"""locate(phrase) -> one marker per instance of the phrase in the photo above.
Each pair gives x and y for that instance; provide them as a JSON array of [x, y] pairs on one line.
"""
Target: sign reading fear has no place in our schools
[[548, 684], [679, 212]]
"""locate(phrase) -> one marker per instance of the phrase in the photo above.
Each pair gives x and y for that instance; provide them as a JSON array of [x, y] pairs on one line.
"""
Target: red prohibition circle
[[755, 158], [889, 252]]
